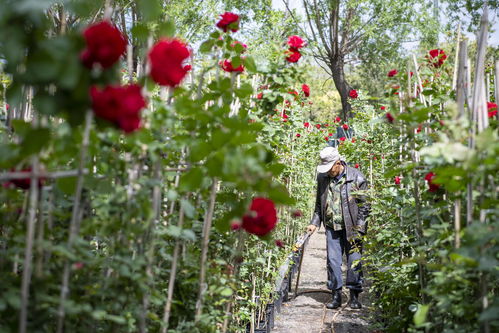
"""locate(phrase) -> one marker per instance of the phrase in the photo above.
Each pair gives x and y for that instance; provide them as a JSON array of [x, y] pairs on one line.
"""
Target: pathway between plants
[[307, 312]]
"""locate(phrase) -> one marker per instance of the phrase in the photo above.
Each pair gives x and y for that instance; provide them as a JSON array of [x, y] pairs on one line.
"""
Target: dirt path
[[307, 312]]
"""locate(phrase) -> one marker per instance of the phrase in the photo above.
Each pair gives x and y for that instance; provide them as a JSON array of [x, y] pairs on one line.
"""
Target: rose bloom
[[392, 73], [492, 109], [119, 105], [397, 180], [228, 21], [298, 135], [235, 225], [292, 55], [353, 140], [343, 138], [306, 90], [166, 58], [295, 42], [420, 127], [337, 119], [437, 57], [357, 165], [227, 66], [279, 243], [187, 68], [24, 183], [383, 108], [326, 138], [259, 96], [432, 187], [306, 124], [105, 45], [345, 127], [330, 134], [261, 218], [296, 213], [353, 93], [389, 117], [318, 126]]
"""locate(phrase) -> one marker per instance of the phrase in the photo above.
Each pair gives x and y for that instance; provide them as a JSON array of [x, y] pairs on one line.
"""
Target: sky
[[493, 37]]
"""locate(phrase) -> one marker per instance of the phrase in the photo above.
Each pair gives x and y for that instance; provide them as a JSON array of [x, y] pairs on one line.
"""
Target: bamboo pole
[[461, 85], [173, 273], [456, 61], [74, 224], [204, 249]]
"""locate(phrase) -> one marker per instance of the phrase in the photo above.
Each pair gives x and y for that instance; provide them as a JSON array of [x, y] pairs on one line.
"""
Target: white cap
[[329, 156]]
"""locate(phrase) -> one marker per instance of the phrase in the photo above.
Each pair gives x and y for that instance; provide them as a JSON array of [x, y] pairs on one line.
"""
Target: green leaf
[[151, 9], [236, 61], [35, 140], [226, 292], [166, 29], [191, 180], [206, 46], [420, 315], [140, 31], [250, 64], [66, 184], [244, 91]]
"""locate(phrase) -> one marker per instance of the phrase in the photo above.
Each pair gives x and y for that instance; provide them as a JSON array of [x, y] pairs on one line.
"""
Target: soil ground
[[307, 312]]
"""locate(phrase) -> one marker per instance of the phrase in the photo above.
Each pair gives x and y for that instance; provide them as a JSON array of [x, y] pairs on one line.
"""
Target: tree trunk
[[337, 65]]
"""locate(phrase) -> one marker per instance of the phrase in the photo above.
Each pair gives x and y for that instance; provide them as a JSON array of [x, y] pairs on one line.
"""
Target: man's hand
[[311, 228]]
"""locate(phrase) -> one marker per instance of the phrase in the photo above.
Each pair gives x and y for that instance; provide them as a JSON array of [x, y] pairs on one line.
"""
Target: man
[[344, 214]]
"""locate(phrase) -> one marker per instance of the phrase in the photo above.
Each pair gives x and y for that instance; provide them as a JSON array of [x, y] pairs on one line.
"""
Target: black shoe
[[354, 300], [336, 302]]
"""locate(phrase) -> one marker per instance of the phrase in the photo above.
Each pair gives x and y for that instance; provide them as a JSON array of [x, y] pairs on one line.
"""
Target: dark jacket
[[355, 208]]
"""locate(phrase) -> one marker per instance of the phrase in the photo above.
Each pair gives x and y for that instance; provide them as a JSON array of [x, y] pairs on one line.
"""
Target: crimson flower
[[397, 180], [298, 135], [105, 45], [411, 74], [353, 93], [187, 67], [353, 140], [279, 243], [432, 187], [330, 134], [420, 127], [296, 213], [295, 42], [293, 55], [383, 108], [343, 138], [389, 117], [357, 165], [166, 58], [259, 96], [261, 218], [306, 90], [119, 105], [228, 21], [318, 126], [227, 66], [437, 57], [235, 225], [337, 119], [492, 109], [326, 138], [306, 124], [345, 127], [392, 73], [24, 183]]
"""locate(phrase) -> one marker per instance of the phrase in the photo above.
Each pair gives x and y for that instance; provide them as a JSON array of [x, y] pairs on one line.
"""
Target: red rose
[[284, 117], [279, 243], [432, 187], [166, 58], [306, 90], [442, 123], [420, 127], [228, 21], [262, 217], [7, 106], [389, 117], [357, 165], [397, 180], [330, 134], [492, 109], [353, 93], [120, 105], [235, 225], [383, 108], [293, 92], [307, 125], [292, 55], [298, 135], [297, 213], [392, 73], [295, 42], [227, 66], [318, 126], [105, 45], [437, 57], [326, 125], [353, 140], [343, 138], [326, 138], [259, 96], [337, 119], [345, 127], [411, 74], [375, 158], [187, 68], [24, 183]]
